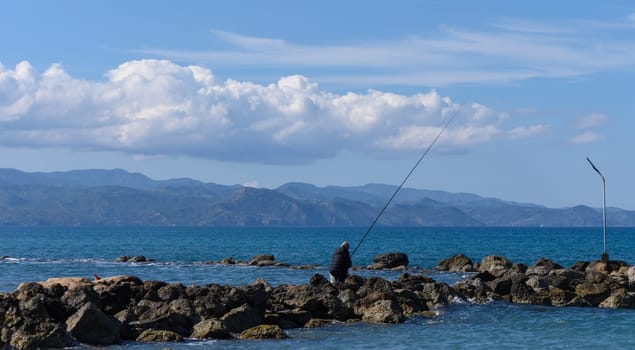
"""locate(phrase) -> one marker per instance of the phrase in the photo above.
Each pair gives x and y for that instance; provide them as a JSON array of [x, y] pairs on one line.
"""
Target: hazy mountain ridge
[[119, 198]]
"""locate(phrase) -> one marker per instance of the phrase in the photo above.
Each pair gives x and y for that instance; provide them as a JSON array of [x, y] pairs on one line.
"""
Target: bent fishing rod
[[404, 181]]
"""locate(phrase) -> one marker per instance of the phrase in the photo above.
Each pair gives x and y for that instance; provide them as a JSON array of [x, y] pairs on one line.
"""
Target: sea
[[188, 255]]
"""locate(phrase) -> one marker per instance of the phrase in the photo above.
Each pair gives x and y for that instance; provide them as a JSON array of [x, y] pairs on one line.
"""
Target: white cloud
[[514, 49], [527, 131], [152, 108], [586, 137], [592, 121]]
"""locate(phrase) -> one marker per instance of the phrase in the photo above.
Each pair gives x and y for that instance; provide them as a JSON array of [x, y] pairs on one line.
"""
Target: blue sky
[[331, 93]]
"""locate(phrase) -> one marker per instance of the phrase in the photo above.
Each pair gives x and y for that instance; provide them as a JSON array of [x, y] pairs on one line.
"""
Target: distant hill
[[120, 198]]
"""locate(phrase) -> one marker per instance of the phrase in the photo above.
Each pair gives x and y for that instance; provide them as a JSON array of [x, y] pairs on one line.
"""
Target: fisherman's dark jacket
[[341, 263]]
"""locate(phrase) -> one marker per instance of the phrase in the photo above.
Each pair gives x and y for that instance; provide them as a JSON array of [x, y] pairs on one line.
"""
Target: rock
[[383, 311], [138, 258], [263, 331], [293, 318], [210, 328], [171, 292], [495, 265], [67, 282], [28, 290], [321, 303], [619, 299], [456, 263], [319, 281], [152, 335], [242, 317], [540, 284], [90, 325], [579, 266], [389, 261], [151, 288], [39, 335], [150, 310], [262, 257], [115, 293], [565, 279], [123, 258], [592, 293], [519, 267], [227, 261], [317, 322], [133, 280], [542, 267], [631, 276], [73, 299], [560, 297], [501, 286]]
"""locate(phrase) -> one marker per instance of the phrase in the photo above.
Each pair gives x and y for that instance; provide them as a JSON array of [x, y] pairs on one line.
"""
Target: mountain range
[[120, 198]]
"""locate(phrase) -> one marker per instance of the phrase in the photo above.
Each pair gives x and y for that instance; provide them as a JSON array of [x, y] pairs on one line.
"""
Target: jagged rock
[[593, 293], [389, 261], [293, 318], [519, 267], [151, 288], [171, 292], [495, 265], [115, 293], [579, 266], [263, 331], [153, 335], [73, 299], [561, 297], [619, 299], [67, 282], [37, 335], [565, 279], [90, 325], [456, 263], [138, 258], [262, 257], [150, 310], [210, 328], [631, 276], [243, 317], [319, 303], [542, 267], [227, 261], [383, 311], [317, 322], [501, 286]]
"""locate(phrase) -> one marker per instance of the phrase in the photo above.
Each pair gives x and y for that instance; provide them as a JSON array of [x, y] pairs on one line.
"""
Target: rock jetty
[[598, 284], [62, 312]]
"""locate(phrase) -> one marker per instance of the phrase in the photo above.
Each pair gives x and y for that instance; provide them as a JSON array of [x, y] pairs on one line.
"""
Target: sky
[[261, 93]]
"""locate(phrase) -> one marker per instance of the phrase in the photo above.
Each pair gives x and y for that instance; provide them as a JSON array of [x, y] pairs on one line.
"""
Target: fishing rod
[[404, 181]]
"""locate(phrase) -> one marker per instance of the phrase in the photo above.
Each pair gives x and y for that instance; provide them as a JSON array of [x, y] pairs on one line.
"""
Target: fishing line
[[404, 181]]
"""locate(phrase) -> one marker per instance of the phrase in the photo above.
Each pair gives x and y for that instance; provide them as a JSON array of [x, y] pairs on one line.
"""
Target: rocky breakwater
[[62, 312], [608, 285]]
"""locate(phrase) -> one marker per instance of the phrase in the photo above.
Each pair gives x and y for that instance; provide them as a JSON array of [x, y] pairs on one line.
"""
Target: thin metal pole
[[604, 210], [604, 199], [404, 181]]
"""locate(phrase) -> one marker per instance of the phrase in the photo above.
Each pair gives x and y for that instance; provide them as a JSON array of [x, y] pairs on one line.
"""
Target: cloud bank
[[510, 49], [156, 107]]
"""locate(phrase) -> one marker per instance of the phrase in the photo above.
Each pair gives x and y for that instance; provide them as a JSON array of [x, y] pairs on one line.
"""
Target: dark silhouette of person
[[340, 263]]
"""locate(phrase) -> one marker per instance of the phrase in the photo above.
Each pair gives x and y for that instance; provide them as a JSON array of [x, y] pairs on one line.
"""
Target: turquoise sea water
[[180, 253]]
